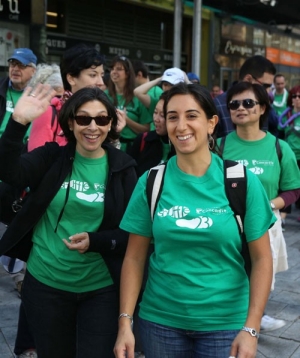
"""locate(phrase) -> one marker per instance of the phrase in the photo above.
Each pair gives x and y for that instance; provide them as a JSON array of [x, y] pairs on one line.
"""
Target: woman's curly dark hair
[[71, 106]]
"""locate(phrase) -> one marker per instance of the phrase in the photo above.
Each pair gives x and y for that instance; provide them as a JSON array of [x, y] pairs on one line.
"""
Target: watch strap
[[252, 331]]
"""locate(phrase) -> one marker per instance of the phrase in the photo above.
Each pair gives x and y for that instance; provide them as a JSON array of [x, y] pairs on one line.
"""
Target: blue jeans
[[68, 325], [167, 342]]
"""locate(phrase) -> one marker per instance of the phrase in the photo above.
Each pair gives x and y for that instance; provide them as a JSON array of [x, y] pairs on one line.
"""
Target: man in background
[[141, 77], [280, 94], [216, 91], [21, 68], [193, 78]]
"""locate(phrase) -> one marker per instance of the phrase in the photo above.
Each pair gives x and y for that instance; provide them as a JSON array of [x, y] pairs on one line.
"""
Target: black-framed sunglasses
[[246, 103], [265, 85], [295, 95], [86, 120]]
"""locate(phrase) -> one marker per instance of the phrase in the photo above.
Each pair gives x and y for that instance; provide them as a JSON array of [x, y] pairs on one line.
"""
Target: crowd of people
[[118, 264]]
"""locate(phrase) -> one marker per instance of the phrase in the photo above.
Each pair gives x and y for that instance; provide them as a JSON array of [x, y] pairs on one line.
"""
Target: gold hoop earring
[[211, 142]]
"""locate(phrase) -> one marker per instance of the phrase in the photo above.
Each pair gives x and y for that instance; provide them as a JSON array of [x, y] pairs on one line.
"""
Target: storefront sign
[[273, 54], [58, 44], [15, 10], [289, 58], [281, 57], [234, 48]]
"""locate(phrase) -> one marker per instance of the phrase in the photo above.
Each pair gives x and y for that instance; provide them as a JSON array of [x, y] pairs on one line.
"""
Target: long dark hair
[[130, 81], [87, 94]]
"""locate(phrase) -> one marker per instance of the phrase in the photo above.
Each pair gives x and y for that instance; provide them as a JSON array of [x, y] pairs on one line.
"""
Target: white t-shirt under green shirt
[[197, 279]]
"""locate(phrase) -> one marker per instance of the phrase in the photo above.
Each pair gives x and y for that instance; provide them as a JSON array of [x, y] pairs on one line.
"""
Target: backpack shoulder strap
[[236, 191], [278, 149], [155, 181]]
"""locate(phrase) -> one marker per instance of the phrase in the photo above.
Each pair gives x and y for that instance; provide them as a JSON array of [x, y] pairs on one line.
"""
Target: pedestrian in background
[[152, 148], [289, 124], [193, 78], [120, 92], [257, 150], [170, 77], [81, 66], [141, 77], [256, 69]]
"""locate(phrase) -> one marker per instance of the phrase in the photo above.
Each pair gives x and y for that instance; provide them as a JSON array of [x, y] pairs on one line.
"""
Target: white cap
[[173, 75]]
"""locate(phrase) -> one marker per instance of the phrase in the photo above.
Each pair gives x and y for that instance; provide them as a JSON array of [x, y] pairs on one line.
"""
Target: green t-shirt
[[12, 97], [197, 279], [261, 158], [292, 135], [50, 261], [136, 111]]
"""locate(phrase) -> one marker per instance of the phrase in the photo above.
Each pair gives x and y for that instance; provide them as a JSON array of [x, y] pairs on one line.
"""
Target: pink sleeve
[[41, 131]]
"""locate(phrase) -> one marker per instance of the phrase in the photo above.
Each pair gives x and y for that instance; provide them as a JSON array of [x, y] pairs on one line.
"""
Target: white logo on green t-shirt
[[80, 187], [179, 212]]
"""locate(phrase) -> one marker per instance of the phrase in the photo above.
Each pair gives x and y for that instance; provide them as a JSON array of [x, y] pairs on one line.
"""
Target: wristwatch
[[272, 205], [252, 331]]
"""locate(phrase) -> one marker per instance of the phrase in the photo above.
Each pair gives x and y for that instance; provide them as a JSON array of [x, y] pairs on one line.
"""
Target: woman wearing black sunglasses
[[273, 162], [68, 230]]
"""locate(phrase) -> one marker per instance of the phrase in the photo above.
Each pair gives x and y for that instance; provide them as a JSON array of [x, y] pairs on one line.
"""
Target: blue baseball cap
[[193, 77], [24, 55]]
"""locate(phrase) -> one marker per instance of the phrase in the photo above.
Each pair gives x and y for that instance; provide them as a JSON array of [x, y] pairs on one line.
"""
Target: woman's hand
[[121, 119], [79, 242], [124, 346], [244, 346], [33, 103]]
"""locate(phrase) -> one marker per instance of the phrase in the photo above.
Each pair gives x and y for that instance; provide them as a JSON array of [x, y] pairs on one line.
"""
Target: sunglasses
[[265, 85], [295, 95], [86, 120], [246, 103]]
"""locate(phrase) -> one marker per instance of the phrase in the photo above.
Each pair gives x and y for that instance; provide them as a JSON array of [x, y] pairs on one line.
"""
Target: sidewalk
[[284, 303]]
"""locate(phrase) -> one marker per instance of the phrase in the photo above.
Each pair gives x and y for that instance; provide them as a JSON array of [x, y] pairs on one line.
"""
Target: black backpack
[[235, 180]]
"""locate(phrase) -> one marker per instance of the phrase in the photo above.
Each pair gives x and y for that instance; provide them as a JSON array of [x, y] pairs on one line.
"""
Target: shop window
[[258, 36]]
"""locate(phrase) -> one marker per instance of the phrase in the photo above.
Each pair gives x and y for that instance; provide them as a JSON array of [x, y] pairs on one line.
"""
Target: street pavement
[[284, 303]]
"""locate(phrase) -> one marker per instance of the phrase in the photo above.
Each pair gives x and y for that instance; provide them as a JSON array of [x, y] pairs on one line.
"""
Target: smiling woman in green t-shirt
[[255, 148], [68, 229], [197, 301]]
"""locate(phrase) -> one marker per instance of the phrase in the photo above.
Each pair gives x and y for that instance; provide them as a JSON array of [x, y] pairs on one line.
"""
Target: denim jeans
[[167, 342], [69, 325]]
